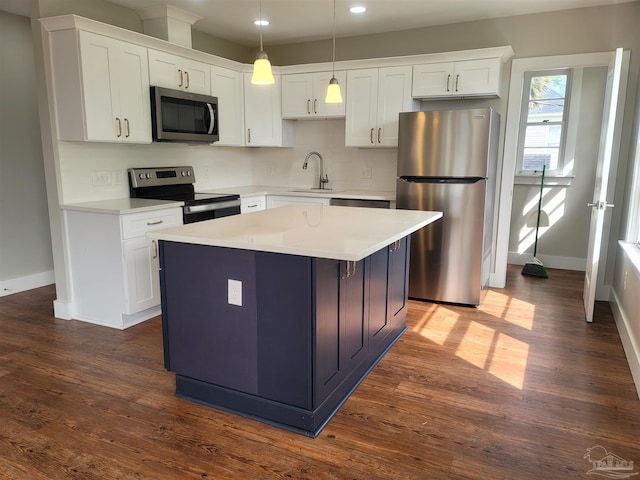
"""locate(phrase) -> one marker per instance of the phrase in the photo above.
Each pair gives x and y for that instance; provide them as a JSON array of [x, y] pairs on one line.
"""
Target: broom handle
[[535, 244]]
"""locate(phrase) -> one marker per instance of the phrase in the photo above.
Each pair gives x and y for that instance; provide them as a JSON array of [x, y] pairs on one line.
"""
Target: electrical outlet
[[102, 179], [234, 292], [366, 173]]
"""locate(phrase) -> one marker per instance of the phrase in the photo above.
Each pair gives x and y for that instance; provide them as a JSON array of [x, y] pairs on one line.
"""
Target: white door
[[607, 166]]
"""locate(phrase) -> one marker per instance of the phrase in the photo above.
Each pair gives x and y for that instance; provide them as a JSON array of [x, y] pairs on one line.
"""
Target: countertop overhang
[[339, 233]]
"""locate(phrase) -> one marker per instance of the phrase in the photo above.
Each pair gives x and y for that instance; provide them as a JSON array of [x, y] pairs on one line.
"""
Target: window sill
[[549, 180], [632, 251]]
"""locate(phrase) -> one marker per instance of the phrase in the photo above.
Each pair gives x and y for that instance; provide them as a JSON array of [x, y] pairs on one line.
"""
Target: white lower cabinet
[[114, 267], [253, 203], [274, 201]]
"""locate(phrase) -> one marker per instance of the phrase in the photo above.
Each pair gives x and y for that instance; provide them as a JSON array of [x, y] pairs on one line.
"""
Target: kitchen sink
[[315, 190]]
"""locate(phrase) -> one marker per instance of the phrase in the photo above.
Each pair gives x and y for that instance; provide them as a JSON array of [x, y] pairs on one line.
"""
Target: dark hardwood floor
[[517, 389]]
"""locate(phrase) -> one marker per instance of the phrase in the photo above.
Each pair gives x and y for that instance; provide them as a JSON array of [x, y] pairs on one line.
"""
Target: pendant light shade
[[262, 74], [333, 90]]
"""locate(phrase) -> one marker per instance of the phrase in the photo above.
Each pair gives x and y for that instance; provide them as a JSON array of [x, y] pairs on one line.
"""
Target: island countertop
[[339, 233]]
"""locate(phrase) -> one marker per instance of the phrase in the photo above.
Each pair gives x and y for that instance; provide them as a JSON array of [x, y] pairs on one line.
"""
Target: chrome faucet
[[323, 176]]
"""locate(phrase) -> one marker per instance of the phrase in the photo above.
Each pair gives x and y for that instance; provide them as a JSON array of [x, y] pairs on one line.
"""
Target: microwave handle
[[212, 117]]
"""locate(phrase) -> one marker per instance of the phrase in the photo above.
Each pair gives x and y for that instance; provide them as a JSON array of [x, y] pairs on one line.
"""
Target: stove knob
[[183, 173], [189, 173], [141, 176], [148, 175]]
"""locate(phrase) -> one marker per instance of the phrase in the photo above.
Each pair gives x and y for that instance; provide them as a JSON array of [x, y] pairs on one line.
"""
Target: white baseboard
[[28, 282], [550, 261], [631, 348]]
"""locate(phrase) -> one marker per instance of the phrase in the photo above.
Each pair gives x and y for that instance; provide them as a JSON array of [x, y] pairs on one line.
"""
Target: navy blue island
[[279, 315]]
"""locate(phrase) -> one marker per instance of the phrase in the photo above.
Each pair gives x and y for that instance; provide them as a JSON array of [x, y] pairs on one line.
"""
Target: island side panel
[[208, 338], [285, 317]]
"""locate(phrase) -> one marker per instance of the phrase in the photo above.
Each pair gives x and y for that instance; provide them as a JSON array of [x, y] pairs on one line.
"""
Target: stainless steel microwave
[[179, 116]]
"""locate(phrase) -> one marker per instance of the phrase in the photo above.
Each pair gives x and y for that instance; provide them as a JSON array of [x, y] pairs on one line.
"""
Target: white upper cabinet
[[101, 88], [264, 126], [479, 78], [375, 97], [171, 71], [227, 86], [303, 95]]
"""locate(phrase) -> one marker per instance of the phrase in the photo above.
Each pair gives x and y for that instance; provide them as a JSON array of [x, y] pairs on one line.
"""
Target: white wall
[[347, 167], [25, 243]]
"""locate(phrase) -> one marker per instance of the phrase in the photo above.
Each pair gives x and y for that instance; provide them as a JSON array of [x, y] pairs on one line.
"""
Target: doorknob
[[600, 205]]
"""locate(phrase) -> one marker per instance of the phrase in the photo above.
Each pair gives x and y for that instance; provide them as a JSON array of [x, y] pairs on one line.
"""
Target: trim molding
[[631, 348], [28, 282], [550, 261]]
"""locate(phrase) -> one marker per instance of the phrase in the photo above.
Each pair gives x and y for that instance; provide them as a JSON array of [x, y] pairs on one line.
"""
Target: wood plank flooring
[[517, 389]]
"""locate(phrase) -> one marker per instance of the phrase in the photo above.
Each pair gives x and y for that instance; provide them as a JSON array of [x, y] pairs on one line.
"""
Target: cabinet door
[[297, 91], [263, 121], [103, 121], [397, 285], [142, 288], [394, 96], [227, 86], [197, 76], [133, 93], [361, 107], [478, 77], [165, 70], [433, 80], [320, 83], [115, 81], [353, 316]]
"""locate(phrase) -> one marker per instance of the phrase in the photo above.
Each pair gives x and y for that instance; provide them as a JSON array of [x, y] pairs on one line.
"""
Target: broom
[[534, 267]]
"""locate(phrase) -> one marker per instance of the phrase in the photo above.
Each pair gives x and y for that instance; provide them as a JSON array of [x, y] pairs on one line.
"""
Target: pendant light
[[333, 90], [262, 67]]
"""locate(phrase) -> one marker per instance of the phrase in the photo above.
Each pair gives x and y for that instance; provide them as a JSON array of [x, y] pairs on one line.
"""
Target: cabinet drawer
[[253, 204], [137, 224]]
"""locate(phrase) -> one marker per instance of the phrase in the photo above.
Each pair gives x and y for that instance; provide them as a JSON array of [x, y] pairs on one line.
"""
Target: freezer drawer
[[446, 256]]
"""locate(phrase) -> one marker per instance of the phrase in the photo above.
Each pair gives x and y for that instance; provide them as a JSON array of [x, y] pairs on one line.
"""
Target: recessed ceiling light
[[261, 22], [357, 9]]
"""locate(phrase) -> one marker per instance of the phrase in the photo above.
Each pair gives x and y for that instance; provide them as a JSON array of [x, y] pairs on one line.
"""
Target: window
[[543, 125]]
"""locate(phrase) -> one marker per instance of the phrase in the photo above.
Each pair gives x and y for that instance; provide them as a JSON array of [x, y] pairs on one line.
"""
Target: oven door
[[209, 211]]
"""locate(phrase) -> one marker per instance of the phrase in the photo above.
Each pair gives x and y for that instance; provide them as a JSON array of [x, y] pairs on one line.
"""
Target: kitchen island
[[278, 315]]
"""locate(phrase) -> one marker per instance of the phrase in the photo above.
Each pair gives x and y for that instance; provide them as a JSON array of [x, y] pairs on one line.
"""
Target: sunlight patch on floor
[[509, 309], [437, 329]]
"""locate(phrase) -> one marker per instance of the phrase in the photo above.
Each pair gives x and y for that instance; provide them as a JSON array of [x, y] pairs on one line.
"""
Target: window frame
[[565, 123]]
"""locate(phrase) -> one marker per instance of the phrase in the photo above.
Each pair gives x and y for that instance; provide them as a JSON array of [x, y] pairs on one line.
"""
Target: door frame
[[518, 67]]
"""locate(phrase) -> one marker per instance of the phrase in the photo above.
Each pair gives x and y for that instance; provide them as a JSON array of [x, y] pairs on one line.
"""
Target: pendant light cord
[[261, 25], [334, 39]]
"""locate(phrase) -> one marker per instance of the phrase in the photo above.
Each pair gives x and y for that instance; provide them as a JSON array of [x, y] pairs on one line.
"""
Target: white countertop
[[340, 233], [121, 206], [249, 190]]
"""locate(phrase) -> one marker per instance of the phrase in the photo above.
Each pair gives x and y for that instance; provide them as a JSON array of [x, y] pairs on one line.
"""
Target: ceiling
[[295, 21]]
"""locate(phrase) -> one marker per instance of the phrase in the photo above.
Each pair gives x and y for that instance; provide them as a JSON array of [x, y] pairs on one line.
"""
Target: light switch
[[234, 292]]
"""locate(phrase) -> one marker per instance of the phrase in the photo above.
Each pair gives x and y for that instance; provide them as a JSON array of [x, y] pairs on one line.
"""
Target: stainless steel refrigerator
[[447, 162]]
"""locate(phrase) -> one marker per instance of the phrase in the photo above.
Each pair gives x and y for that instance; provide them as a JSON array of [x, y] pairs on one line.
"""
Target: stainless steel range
[[176, 183]]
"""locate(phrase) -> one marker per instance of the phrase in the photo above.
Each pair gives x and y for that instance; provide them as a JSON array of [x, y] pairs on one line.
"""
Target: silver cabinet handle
[[254, 205], [186, 74], [155, 249], [371, 135], [379, 134], [119, 124], [181, 80], [395, 246], [349, 269], [308, 106], [457, 79], [248, 135], [315, 105], [128, 128], [448, 80], [155, 223]]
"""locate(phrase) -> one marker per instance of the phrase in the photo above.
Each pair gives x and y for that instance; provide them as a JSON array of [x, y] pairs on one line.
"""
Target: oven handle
[[212, 119], [211, 206]]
